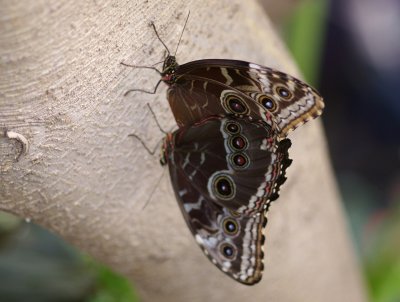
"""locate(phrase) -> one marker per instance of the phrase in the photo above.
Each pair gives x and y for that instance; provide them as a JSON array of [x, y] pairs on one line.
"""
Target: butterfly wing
[[233, 242], [223, 204], [291, 101], [233, 162], [194, 98]]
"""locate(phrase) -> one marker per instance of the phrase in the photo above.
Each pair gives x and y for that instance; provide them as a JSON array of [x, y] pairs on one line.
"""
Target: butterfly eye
[[238, 143], [240, 161], [223, 187], [283, 92], [232, 128], [230, 226], [228, 251], [268, 103]]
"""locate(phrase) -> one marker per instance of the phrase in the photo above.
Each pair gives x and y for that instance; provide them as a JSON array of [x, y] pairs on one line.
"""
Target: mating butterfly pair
[[229, 155]]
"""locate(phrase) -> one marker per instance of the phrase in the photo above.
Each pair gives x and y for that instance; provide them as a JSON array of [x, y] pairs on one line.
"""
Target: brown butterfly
[[228, 158]]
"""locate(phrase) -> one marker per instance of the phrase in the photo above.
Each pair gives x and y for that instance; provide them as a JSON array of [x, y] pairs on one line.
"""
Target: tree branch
[[63, 90]]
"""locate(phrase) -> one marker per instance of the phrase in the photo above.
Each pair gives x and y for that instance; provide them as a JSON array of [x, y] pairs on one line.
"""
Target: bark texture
[[61, 90]]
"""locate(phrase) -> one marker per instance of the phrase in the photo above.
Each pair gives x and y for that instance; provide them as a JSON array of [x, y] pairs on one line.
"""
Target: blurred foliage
[[37, 266], [304, 36], [376, 234], [375, 228], [382, 261], [111, 287]]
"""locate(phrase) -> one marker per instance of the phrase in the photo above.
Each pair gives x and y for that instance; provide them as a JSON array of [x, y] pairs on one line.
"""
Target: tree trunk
[[62, 93]]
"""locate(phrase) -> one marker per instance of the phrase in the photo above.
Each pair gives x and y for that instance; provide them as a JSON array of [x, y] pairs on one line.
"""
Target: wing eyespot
[[268, 103], [238, 143], [239, 161], [283, 92], [224, 187], [230, 227], [234, 104], [233, 127], [228, 251]]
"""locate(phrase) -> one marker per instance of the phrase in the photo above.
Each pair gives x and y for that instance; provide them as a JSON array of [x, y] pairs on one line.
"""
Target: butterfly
[[228, 158]]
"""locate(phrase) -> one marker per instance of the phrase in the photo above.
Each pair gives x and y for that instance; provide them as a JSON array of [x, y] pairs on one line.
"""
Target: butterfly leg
[[150, 151], [155, 118], [142, 67], [144, 91]]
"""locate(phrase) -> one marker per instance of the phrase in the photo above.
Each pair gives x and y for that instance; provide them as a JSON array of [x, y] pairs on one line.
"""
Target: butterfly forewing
[[193, 99], [283, 98]]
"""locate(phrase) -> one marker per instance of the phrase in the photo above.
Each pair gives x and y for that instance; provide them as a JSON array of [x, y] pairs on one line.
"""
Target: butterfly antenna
[[154, 189], [180, 38], [143, 90], [158, 63], [158, 36], [155, 118]]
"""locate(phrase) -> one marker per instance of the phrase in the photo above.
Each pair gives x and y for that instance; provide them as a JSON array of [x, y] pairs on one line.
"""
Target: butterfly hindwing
[[231, 161], [227, 224], [233, 242]]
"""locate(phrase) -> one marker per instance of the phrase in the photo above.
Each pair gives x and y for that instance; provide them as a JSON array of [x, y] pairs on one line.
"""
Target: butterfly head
[[169, 69]]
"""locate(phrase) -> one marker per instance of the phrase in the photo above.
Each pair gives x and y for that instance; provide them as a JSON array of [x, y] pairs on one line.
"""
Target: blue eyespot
[[268, 103], [283, 92], [230, 226], [228, 251]]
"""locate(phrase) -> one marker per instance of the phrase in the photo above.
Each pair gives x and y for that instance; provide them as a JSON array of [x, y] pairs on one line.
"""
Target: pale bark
[[279, 11], [82, 177]]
